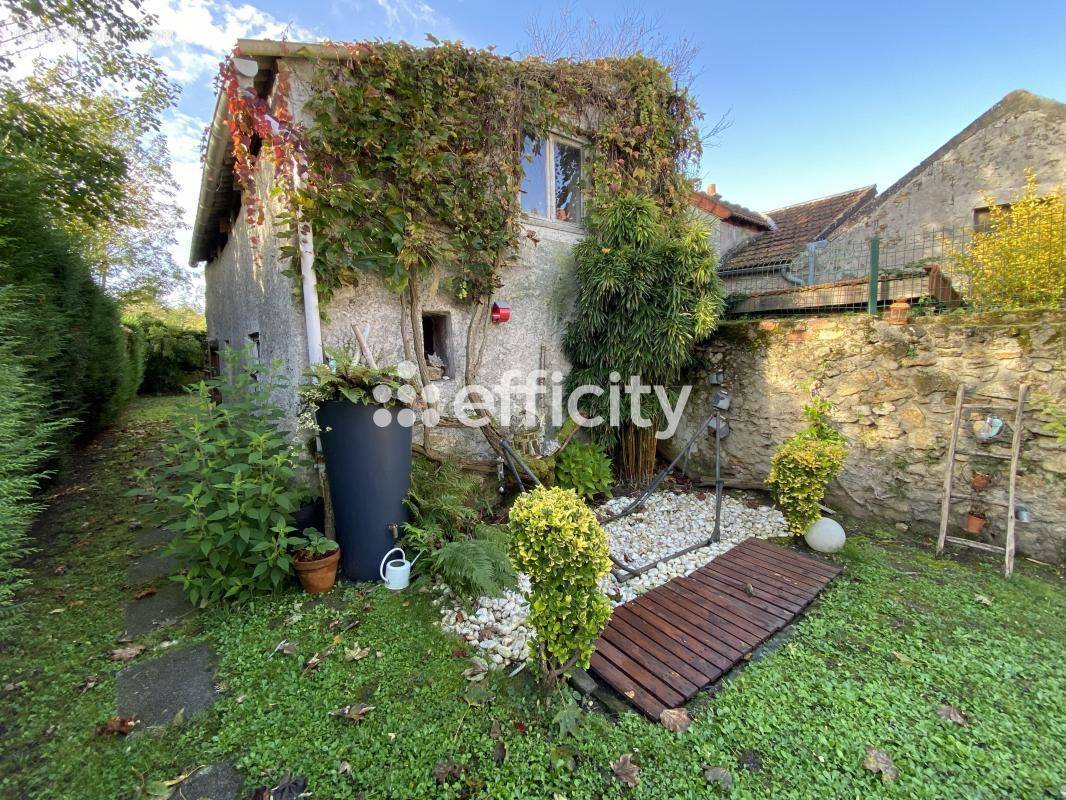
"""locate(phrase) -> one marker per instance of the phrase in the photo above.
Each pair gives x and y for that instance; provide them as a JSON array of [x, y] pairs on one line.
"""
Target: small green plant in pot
[[583, 467], [315, 558], [558, 542], [802, 467]]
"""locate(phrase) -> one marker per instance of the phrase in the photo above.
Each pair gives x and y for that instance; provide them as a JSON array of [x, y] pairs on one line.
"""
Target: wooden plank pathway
[[661, 648]]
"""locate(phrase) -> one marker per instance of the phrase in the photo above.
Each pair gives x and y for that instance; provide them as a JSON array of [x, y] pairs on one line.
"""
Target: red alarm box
[[501, 312]]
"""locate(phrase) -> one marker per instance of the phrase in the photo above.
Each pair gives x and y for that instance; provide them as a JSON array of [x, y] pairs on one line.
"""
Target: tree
[[648, 291], [1019, 260]]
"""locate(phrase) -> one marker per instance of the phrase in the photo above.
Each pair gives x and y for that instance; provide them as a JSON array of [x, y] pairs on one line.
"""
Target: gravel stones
[[669, 522]]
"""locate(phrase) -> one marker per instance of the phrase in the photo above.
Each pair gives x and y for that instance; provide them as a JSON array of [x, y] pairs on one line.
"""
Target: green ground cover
[[899, 636]]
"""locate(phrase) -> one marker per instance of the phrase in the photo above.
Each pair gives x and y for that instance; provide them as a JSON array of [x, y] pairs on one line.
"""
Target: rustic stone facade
[[893, 392]]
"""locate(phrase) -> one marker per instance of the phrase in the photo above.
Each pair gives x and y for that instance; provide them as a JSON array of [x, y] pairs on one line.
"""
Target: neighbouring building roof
[[795, 226], [731, 212]]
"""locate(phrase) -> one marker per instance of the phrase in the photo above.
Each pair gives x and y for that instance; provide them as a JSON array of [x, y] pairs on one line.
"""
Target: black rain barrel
[[369, 468]]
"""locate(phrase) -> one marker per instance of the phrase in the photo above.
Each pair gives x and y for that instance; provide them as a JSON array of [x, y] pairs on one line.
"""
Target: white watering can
[[397, 573]]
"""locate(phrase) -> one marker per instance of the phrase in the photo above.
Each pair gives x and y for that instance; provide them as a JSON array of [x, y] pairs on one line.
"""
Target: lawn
[[898, 636]]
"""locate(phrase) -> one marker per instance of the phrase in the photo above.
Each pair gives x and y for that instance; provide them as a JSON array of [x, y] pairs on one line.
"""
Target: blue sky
[[822, 96]]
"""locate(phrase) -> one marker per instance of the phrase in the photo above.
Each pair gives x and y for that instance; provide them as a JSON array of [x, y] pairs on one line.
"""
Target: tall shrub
[[648, 291], [27, 440], [173, 353], [228, 487], [71, 344], [557, 541], [1020, 259]]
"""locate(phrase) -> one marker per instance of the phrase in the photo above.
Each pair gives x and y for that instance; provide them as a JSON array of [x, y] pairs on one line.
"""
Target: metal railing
[[972, 269]]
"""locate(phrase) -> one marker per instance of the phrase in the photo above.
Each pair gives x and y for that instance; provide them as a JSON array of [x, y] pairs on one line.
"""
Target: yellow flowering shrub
[[1019, 260], [557, 541]]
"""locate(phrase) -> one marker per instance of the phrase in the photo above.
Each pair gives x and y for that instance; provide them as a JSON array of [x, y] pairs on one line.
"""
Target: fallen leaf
[[718, 775], [476, 695], [313, 662], [285, 647], [290, 787], [241, 698], [477, 671], [446, 770], [89, 683], [179, 718], [499, 752], [60, 569], [379, 654], [75, 603], [877, 760], [127, 653], [147, 591], [344, 768], [980, 598], [495, 729], [625, 770], [352, 713], [459, 652], [57, 611], [675, 719], [519, 726], [116, 726], [356, 653], [903, 659], [952, 714]]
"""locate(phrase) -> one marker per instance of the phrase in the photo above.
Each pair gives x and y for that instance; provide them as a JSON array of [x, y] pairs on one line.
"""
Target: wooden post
[[1016, 448], [949, 474]]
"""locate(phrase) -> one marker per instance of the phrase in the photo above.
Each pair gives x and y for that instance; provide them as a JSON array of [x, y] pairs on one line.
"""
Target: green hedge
[[173, 354], [71, 342]]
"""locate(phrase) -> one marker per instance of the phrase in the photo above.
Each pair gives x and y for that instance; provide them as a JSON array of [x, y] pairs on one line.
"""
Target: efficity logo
[[529, 396]]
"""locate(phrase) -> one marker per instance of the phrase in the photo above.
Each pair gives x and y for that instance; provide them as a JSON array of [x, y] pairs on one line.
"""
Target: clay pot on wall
[[899, 312], [975, 523], [980, 481]]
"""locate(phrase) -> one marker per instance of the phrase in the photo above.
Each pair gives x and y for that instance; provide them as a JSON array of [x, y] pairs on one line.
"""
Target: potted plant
[[315, 560], [980, 481], [975, 521], [362, 417]]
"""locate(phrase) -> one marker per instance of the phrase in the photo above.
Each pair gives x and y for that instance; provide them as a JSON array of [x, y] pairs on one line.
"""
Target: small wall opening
[[435, 343]]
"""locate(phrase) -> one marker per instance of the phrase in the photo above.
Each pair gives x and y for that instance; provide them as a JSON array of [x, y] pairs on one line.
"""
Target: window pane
[[567, 182], [534, 176]]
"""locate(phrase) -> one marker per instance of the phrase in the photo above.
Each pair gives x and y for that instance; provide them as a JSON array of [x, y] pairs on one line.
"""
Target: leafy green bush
[[557, 541], [229, 486], [803, 465], [585, 468], [174, 355], [467, 554], [27, 440]]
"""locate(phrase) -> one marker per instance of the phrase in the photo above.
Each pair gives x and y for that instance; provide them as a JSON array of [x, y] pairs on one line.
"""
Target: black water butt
[[369, 468]]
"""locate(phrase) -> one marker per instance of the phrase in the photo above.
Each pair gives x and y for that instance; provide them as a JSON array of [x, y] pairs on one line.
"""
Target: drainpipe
[[312, 320], [813, 248]]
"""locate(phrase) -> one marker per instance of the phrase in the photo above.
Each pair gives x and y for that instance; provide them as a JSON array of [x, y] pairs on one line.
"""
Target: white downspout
[[312, 321]]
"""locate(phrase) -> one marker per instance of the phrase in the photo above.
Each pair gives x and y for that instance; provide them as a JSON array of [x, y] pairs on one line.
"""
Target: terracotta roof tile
[[714, 204], [794, 227]]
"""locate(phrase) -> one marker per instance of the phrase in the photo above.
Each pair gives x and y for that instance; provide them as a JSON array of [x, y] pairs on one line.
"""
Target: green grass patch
[[897, 636]]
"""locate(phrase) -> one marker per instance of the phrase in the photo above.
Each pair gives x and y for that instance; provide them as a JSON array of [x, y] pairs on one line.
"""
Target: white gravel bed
[[668, 522]]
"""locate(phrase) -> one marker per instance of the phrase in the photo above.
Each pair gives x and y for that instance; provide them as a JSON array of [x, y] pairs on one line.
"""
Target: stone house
[[825, 240]]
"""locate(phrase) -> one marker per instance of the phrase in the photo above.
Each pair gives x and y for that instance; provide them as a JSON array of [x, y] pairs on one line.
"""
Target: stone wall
[[893, 392]]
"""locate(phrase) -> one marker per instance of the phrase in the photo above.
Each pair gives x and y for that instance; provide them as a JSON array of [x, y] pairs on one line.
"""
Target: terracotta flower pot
[[975, 523], [980, 481], [319, 575]]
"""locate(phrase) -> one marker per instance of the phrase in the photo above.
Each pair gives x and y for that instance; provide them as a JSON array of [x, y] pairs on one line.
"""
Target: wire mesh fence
[[970, 269]]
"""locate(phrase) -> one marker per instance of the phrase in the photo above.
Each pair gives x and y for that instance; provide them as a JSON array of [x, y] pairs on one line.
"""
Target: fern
[[474, 567]]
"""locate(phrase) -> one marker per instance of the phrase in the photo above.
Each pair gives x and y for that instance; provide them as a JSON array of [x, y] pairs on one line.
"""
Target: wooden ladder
[[993, 403]]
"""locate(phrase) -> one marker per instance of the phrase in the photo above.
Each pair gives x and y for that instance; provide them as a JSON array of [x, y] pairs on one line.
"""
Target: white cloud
[[193, 36]]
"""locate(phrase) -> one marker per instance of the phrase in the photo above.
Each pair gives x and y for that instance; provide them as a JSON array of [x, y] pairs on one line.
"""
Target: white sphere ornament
[[825, 535]]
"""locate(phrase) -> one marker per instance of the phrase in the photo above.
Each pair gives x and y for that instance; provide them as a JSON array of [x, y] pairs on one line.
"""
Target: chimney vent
[[712, 189]]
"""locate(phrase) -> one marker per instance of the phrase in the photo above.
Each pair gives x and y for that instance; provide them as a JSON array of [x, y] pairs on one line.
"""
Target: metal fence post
[[875, 258]]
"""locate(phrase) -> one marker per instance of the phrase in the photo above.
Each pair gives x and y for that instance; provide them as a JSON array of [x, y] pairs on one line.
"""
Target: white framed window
[[551, 178]]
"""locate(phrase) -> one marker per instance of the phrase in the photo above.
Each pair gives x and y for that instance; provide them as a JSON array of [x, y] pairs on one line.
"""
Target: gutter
[[214, 159], [761, 269]]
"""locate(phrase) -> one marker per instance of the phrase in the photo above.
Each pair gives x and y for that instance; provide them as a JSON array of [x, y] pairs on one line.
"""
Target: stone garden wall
[[893, 392]]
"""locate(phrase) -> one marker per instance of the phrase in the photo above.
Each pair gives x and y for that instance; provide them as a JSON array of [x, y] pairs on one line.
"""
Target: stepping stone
[[213, 782], [154, 691], [165, 607], [147, 568], [153, 537]]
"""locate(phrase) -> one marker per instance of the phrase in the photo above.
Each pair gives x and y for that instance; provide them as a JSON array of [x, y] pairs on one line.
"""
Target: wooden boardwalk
[[660, 649]]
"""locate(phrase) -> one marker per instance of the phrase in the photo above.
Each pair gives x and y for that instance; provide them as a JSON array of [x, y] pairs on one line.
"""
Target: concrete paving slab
[[150, 566], [180, 680], [165, 607], [213, 782]]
